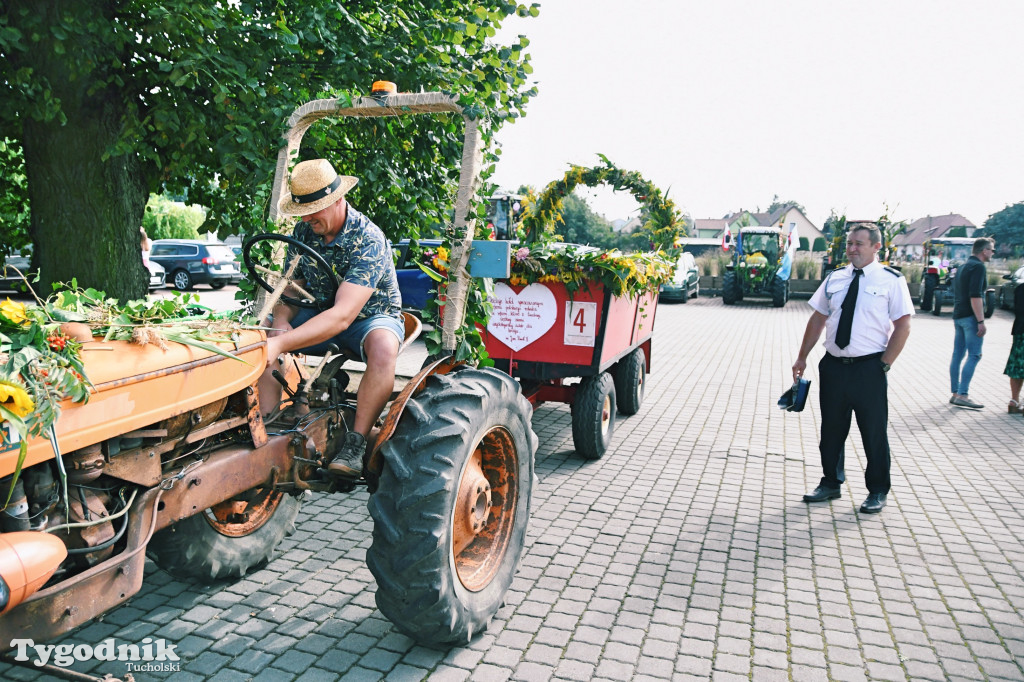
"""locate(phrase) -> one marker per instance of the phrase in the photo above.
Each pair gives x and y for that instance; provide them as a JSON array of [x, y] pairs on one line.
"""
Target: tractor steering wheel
[[313, 304]]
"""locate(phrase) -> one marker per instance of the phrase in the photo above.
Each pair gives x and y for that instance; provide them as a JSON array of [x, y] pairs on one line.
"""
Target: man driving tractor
[[365, 317]]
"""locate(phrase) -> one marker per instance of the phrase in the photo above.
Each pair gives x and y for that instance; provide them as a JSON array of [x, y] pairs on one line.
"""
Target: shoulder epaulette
[[893, 271]]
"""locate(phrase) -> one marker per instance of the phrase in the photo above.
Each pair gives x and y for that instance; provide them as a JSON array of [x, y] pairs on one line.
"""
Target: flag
[[726, 238], [792, 244]]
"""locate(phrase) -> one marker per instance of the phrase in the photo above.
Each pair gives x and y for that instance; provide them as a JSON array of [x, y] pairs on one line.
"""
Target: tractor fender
[[444, 365]]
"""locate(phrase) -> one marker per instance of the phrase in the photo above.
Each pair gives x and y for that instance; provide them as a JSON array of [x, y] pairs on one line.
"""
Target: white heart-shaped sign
[[520, 319]]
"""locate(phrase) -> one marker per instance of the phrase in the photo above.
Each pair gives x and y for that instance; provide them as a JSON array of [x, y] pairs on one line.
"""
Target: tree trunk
[[86, 209]]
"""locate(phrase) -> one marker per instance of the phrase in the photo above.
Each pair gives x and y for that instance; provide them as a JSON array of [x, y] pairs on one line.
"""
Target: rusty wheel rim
[[244, 514], [484, 513]]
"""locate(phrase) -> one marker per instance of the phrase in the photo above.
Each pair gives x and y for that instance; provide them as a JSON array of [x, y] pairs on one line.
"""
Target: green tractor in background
[[943, 256], [761, 266]]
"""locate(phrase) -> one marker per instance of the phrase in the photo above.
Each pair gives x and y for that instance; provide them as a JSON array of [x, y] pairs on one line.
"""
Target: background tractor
[[943, 256], [757, 267]]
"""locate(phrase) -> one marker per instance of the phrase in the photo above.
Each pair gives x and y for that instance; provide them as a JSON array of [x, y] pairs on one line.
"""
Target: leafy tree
[[833, 221], [13, 207], [107, 101], [1007, 228], [581, 225], [777, 204], [166, 219], [957, 231]]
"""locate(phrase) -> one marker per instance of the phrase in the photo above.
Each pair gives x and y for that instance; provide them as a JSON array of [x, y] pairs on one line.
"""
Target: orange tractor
[[171, 457]]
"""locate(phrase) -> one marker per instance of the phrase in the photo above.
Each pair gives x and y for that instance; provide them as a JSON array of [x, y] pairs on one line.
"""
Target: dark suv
[[193, 261]]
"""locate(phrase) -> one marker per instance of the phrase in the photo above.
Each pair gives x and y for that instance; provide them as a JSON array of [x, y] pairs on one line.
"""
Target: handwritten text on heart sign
[[520, 319]]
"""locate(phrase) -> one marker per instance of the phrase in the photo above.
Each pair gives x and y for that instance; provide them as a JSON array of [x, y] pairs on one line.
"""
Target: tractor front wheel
[[228, 539], [990, 303], [780, 292], [731, 288], [450, 513]]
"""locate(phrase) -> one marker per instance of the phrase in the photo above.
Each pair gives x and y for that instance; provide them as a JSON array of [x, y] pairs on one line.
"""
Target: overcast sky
[[914, 105]]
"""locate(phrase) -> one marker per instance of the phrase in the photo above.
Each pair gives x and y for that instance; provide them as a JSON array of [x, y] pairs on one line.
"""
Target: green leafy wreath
[[662, 220]]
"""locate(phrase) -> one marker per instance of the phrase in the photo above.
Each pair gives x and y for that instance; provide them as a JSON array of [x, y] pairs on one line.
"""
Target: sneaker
[[952, 399], [964, 401], [349, 460]]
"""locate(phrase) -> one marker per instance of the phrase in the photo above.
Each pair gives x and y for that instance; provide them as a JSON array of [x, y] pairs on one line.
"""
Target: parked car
[[192, 261], [157, 274], [1006, 290], [11, 280], [685, 282]]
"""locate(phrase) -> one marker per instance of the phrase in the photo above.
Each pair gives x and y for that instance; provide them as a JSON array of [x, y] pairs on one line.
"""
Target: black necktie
[[846, 318]]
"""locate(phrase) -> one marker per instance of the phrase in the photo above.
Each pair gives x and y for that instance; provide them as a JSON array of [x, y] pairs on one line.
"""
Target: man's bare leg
[[381, 349]]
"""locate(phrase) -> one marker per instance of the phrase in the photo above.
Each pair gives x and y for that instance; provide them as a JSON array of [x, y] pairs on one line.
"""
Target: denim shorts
[[351, 339]]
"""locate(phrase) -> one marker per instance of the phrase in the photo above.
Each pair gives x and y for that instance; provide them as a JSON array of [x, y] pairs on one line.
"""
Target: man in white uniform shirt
[[862, 340]]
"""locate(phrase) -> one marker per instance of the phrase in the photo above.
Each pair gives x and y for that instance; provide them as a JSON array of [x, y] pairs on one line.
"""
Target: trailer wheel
[[630, 376], [451, 510], [228, 539], [990, 303], [730, 289], [593, 415]]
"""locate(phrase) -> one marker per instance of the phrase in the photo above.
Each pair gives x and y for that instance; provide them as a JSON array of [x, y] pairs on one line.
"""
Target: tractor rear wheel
[[630, 376], [593, 415], [228, 539], [937, 303], [731, 288], [927, 291], [451, 510]]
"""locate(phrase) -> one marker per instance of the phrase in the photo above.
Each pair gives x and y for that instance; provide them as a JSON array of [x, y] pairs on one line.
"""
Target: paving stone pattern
[[686, 553]]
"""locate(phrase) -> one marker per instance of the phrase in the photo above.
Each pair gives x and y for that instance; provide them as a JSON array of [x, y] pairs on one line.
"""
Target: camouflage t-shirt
[[359, 254]]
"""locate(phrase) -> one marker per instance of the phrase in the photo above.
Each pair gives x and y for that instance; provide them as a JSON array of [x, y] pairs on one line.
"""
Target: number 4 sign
[[580, 323]]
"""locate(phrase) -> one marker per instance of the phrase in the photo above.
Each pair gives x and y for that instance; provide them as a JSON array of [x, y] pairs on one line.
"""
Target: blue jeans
[[966, 341]]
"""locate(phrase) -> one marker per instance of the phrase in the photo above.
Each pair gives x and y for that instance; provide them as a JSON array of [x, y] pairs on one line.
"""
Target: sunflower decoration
[[40, 365], [543, 259], [14, 399]]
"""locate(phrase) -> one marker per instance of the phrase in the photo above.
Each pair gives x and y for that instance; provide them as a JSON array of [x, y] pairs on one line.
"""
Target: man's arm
[[900, 332], [349, 300], [978, 309], [812, 333]]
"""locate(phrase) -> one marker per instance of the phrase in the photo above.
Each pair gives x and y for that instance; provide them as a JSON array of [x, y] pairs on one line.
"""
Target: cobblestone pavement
[[686, 552]]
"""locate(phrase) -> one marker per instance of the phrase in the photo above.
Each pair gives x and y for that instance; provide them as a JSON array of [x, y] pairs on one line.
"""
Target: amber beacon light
[[380, 88]]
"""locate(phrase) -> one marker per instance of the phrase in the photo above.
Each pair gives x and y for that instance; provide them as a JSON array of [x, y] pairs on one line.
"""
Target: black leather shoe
[[873, 504], [821, 493]]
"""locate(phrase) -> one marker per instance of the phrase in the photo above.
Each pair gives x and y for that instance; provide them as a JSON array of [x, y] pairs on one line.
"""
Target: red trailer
[[544, 336]]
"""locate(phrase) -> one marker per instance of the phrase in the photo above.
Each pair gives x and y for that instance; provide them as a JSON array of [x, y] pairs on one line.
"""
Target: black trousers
[[859, 388]]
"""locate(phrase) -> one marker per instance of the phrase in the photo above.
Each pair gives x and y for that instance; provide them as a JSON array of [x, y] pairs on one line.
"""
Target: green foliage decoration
[[663, 224]]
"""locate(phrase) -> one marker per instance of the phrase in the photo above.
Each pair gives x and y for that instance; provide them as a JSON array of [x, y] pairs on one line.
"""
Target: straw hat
[[314, 186]]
